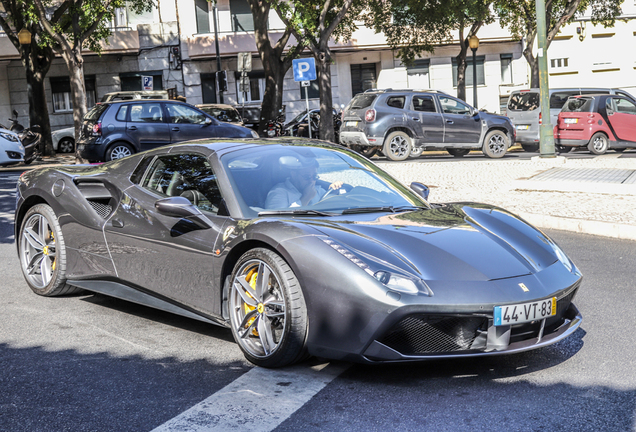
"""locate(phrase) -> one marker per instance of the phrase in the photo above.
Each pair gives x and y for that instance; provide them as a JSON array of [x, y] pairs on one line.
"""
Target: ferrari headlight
[[9, 137], [562, 257], [389, 275]]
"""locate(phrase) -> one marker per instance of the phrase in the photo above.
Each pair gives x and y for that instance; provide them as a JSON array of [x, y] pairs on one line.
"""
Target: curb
[[582, 226]]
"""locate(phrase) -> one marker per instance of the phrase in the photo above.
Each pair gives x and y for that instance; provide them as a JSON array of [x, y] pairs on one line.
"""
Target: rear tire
[[416, 151], [564, 149], [267, 309], [397, 146], [598, 144], [66, 145], [366, 151], [458, 152], [118, 151], [530, 148], [42, 253]]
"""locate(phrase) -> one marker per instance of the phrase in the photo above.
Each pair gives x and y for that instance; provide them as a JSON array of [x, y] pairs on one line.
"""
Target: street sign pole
[[546, 133], [305, 85]]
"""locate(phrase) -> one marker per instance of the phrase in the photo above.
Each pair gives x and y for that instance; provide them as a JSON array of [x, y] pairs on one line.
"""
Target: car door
[[621, 114], [188, 123], [460, 125], [425, 120], [145, 126], [172, 257]]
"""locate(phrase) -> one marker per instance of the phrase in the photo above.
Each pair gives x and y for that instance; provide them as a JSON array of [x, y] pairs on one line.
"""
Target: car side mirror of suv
[[420, 189]]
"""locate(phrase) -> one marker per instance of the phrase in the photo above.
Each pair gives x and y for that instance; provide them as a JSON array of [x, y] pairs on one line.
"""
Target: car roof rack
[[404, 90]]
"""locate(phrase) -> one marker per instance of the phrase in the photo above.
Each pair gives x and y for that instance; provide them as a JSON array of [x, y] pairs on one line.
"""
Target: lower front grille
[[427, 334]]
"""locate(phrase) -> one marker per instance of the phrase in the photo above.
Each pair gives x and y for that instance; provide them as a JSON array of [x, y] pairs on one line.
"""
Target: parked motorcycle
[[274, 128], [30, 138]]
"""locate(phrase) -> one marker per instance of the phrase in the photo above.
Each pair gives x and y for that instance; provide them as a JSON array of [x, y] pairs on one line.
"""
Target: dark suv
[[113, 130], [400, 122]]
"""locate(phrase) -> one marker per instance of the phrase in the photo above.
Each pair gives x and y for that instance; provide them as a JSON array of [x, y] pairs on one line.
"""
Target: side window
[[424, 104], [558, 99], [624, 106], [121, 114], [183, 114], [453, 106], [146, 113], [139, 172], [186, 175], [396, 102]]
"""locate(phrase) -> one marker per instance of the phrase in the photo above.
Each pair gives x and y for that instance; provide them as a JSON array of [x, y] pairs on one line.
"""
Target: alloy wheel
[[38, 247], [119, 152], [497, 144], [399, 146]]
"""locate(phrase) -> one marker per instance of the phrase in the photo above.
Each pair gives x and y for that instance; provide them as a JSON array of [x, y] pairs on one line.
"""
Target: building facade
[[175, 45]]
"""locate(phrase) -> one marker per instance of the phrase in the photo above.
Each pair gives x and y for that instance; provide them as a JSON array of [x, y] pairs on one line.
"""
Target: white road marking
[[258, 401]]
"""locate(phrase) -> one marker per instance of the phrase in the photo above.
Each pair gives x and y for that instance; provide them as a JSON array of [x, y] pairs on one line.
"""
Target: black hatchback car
[[118, 129]]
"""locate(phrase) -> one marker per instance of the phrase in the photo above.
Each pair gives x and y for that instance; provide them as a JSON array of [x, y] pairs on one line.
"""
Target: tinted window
[[183, 114], [453, 106], [185, 175], [528, 101], [223, 114], [362, 101], [146, 113], [558, 99], [396, 101], [121, 114], [424, 103], [624, 106], [139, 172], [95, 112], [579, 104]]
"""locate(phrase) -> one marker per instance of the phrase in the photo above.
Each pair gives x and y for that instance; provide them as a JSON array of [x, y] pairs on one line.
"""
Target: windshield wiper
[[294, 213], [382, 209]]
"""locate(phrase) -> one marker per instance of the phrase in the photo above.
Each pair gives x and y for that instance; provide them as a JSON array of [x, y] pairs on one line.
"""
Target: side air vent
[[98, 196], [102, 207]]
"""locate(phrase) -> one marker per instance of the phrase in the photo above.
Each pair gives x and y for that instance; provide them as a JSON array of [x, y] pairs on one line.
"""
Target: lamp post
[[473, 43]]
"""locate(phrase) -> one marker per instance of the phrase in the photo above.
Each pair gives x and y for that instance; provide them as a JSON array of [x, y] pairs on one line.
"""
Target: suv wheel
[[397, 146], [495, 144], [366, 151], [416, 151], [598, 144], [530, 148], [458, 152], [118, 151]]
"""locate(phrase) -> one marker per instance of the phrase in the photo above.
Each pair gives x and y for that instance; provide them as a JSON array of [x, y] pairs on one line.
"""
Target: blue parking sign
[[304, 69], [147, 82]]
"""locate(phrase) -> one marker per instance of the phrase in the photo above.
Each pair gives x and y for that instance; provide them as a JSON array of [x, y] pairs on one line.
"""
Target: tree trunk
[[39, 63], [534, 67], [75, 64], [323, 64], [273, 96], [461, 70]]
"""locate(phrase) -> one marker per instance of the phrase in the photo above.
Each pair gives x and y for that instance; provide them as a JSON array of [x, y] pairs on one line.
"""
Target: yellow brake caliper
[[54, 260], [251, 279]]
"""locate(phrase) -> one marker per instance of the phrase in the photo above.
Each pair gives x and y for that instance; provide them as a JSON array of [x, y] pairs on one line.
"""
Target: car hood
[[452, 242], [492, 116]]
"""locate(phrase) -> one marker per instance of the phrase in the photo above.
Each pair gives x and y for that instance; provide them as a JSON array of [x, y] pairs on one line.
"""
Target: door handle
[[176, 129], [117, 223], [415, 119], [450, 121], [132, 127]]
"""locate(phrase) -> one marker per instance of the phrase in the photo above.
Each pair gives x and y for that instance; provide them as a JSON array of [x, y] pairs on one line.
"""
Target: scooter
[[29, 137], [274, 127]]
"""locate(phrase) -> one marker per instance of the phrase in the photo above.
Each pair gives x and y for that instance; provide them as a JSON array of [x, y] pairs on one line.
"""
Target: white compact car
[[11, 150], [64, 140]]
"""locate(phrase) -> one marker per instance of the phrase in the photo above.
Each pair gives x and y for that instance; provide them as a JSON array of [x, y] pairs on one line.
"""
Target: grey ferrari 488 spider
[[300, 248]]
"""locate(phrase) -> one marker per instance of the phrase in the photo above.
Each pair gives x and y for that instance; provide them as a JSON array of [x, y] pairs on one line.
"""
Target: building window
[[119, 21], [257, 87], [469, 71], [418, 75], [131, 81], [363, 77], [241, 16], [314, 90], [506, 68], [558, 63], [202, 15], [61, 90], [208, 87]]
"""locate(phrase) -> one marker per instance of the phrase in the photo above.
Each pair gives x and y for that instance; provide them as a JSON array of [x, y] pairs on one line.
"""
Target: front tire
[[118, 151], [268, 314], [66, 145], [397, 146], [43, 252], [495, 144], [598, 144]]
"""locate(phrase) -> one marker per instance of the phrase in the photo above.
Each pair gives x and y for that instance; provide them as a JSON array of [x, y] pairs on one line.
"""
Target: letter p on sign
[[304, 69]]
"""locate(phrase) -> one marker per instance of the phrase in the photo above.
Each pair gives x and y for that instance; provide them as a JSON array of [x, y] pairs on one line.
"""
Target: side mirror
[[420, 189], [208, 121], [180, 207], [610, 112]]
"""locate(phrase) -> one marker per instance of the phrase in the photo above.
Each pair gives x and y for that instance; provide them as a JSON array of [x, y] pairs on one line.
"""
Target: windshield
[[578, 104], [223, 114], [527, 101], [312, 179]]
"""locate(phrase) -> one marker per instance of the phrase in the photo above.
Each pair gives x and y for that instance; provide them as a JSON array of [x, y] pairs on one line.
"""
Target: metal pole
[[216, 45], [308, 113], [475, 79], [546, 134]]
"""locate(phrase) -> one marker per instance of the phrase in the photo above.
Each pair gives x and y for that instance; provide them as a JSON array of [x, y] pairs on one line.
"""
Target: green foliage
[[413, 27]]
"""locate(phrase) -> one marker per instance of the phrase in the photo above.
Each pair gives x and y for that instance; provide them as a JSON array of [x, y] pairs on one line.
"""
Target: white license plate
[[571, 120], [351, 123], [522, 127], [525, 312]]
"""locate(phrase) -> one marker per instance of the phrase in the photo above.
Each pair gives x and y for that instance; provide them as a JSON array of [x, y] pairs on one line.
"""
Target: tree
[[275, 63], [36, 60], [314, 22], [77, 25], [520, 18], [417, 26]]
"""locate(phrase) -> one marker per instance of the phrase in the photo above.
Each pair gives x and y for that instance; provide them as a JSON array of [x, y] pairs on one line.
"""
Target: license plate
[[351, 123], [571, 120], [525, 312], [522, 127]]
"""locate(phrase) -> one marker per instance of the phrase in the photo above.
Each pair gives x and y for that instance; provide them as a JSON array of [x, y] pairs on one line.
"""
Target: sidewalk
[[593, 195]]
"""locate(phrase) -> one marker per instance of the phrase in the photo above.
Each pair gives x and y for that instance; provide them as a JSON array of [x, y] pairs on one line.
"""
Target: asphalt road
[[92, 363]]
